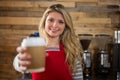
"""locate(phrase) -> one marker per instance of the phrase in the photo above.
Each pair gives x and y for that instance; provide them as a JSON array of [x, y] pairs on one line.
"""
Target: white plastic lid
[[33, 41]]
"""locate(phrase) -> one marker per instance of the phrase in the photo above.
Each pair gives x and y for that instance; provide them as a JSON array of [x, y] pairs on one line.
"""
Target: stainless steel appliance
[[85, 40], [103, 62]]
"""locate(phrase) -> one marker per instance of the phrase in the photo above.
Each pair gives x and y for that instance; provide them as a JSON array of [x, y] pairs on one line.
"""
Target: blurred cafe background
[[96, 23]]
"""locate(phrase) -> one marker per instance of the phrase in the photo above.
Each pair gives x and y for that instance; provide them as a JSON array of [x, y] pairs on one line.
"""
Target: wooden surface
[[85, 1], [30, 4], [36, 21], [20, 18]]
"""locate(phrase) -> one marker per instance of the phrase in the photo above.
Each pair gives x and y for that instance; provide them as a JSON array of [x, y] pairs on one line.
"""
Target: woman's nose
[[55, 24]]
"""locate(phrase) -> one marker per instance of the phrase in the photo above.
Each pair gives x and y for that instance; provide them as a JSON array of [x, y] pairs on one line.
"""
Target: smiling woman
[[65, 63], [55, 24]]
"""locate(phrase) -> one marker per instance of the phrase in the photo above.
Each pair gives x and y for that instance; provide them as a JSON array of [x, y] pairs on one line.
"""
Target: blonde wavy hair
[[68, 38]]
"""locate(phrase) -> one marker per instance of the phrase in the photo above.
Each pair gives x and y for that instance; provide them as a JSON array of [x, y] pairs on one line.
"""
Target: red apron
[[56, 68]]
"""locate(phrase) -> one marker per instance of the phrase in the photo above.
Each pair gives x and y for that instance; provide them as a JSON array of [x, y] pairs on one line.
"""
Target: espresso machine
[[103, 58], [85, 40]]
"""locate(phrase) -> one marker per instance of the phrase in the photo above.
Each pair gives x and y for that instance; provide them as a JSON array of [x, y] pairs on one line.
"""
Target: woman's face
[[54, 24]]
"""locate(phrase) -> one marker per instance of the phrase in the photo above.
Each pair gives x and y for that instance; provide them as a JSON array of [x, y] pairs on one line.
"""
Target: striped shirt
[[78, 74]]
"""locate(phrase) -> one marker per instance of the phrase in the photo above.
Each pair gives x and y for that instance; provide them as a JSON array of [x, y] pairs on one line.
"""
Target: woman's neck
[[53, 42]]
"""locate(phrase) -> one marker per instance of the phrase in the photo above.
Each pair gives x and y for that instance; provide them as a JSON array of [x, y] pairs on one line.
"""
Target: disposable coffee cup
[[36, 47]]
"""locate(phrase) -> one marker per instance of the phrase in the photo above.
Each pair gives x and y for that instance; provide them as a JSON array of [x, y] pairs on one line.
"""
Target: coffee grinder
[[85, 40], [103, 60]]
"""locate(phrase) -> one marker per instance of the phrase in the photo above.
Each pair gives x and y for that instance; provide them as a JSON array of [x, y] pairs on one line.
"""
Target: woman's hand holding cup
[[24, 58], [32, 54]]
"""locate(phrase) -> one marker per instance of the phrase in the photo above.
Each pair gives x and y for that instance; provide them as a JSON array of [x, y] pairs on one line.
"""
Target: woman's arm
[[78, 74], [15, 63]]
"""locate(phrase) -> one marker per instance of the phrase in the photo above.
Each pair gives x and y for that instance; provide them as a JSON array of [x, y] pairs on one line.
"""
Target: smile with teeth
[[54, 30]]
